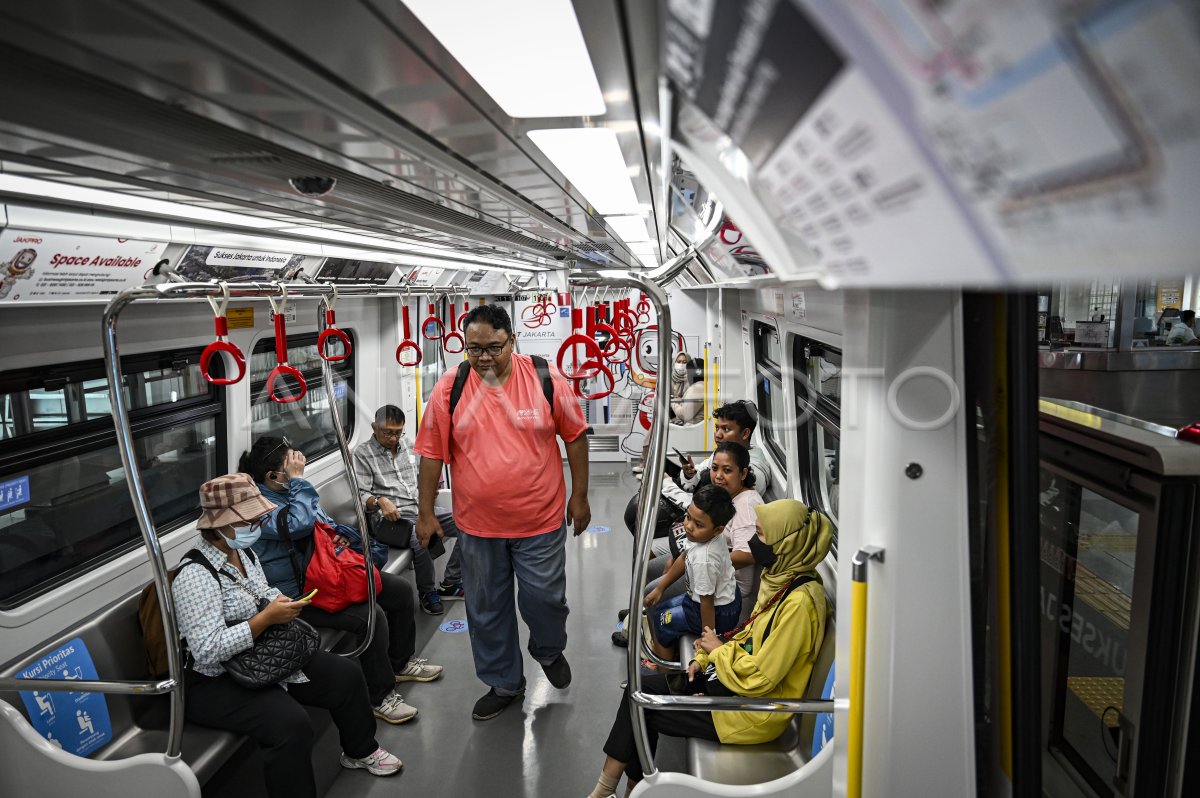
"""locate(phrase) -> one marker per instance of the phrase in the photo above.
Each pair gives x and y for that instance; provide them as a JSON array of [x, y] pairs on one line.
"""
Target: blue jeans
[[539, 565]]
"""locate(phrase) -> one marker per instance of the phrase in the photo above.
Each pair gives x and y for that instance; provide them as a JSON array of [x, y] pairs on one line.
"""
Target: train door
[[1115, 531]]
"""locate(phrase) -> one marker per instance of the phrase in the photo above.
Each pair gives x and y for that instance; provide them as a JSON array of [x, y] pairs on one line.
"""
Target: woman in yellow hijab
[[770, 656]]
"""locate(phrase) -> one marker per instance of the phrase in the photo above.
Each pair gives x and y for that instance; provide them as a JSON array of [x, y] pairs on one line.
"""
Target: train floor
[[550, 744]]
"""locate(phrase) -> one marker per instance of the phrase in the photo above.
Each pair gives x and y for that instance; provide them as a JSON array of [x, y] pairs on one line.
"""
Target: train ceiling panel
[[220, 103]]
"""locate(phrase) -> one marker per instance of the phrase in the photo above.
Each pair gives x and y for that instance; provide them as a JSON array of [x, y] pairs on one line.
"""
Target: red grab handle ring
[[434, 320], [453, 335], [332, 331], [230, 349], [462, 319], [601, 371], [404, 347], [407, 344], [283, 369], [592, 356], [221, 326]]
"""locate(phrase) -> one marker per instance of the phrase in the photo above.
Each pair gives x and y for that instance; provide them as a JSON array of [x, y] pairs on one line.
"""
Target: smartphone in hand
[[309, 596]]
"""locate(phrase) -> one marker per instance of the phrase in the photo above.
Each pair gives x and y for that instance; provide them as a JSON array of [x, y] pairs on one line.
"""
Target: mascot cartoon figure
[[19, 268]]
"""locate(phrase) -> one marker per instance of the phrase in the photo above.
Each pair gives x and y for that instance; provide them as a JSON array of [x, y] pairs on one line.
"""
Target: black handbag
[[277, 653]]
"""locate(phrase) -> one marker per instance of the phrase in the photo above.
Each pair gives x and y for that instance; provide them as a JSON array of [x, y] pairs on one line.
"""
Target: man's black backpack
[[464, 371]]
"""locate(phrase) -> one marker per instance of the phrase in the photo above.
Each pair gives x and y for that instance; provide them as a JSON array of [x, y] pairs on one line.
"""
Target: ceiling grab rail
[[281, 353], [858, 666], [331, 331], [173, 684], [222, 344], [360, 512]]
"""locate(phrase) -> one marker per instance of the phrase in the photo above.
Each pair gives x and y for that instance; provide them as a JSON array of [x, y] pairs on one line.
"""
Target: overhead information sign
[[342, 270], [541, 322], [54, 267], [1073, 135], [201, 264], [487, 283], [424, 277], [966, 142]]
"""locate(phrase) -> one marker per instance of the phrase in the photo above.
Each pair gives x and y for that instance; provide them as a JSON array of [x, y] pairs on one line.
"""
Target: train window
[[58, 398], [64, 502], [307, 423], [817, 368], [769, 390]]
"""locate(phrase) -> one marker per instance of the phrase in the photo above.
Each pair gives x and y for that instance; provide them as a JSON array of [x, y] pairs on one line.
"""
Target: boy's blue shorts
[[680, 615]]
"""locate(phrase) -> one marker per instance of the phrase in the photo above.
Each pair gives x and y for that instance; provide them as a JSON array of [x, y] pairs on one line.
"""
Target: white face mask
[[679, 370]]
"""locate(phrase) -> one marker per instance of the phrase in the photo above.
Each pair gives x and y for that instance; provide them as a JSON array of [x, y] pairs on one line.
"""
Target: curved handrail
[[651, 488], [858, 666], [173, 684]]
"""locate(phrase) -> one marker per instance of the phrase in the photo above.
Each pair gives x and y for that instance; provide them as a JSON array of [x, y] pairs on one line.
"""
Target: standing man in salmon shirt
[[499, 439]]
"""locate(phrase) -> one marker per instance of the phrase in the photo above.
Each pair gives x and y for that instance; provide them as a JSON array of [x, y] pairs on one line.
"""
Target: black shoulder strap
[[294, 556], [543, 370], [797, 582], [194, 556], [460, 379], [539, 363]]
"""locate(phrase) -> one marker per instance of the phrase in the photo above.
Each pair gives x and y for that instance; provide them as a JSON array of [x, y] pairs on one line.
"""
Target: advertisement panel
[[54, 267]]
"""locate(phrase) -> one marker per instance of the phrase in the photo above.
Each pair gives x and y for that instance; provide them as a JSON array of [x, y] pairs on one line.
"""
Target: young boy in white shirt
[[712, 598]]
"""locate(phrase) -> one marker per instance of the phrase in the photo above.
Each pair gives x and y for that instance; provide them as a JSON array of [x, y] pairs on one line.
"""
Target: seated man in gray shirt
[[387, 480]]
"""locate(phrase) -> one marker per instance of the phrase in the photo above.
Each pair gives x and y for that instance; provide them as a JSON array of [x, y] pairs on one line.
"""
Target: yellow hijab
[[800, 538]]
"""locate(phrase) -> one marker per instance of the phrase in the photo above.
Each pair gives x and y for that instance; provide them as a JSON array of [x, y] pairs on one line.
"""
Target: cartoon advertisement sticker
[[453, 627], [78, 723]]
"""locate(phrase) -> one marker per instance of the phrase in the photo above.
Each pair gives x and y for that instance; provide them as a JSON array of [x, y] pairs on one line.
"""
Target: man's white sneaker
[[419, 670], [380, 763], [394, 710]]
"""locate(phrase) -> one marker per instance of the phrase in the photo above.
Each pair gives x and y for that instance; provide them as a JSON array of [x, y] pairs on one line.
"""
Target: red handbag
[[338, 572]]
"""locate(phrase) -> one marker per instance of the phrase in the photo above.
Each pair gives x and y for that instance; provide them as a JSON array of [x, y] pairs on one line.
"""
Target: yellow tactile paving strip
[[1103, 597], [1100, 693]]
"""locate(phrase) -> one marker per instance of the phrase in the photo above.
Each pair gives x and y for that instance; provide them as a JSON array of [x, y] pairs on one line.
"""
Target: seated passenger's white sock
[[605, 787]]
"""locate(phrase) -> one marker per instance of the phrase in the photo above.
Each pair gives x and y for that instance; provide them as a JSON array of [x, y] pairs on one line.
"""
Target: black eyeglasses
[[388, 433], [495, 350]]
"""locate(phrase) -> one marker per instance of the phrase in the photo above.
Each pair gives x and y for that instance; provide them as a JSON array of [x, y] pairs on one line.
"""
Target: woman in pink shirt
[[730, 468]]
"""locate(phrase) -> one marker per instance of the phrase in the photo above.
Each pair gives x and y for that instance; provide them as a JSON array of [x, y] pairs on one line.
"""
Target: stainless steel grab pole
[[651, 488], [141, 511], [115, 686], [348, 461], [692, 703]]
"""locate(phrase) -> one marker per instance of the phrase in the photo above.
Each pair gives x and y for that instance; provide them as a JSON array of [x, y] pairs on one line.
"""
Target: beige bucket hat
[[229, 499]]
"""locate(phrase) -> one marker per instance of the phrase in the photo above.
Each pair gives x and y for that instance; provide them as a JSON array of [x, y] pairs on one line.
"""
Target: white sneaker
[[380, 763], [419, 670], [394, 710]]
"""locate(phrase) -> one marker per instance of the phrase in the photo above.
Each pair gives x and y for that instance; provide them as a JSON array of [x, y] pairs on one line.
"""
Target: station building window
[[817, 370], [772, 421], [64, 501], [307, 423]]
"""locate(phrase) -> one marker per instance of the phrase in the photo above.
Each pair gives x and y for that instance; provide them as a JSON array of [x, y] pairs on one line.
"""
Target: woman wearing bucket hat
[[770, 656], [219, 618]]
